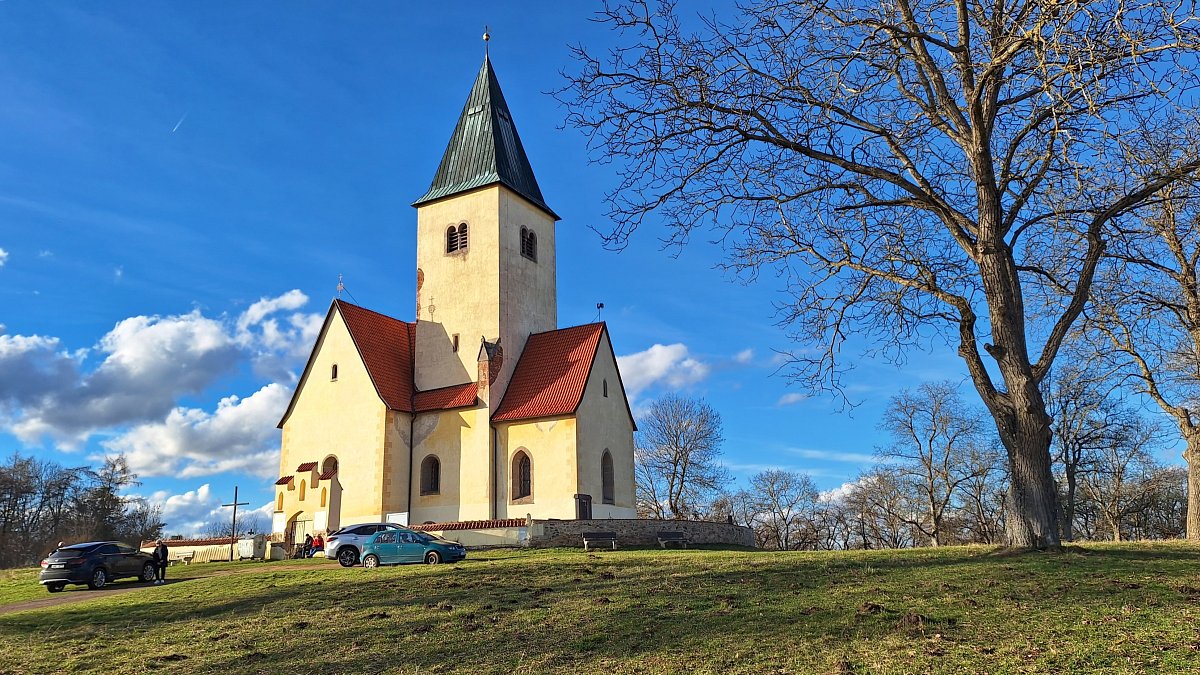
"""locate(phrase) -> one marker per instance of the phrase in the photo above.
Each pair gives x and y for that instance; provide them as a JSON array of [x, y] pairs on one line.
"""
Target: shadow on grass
[[555, 611]]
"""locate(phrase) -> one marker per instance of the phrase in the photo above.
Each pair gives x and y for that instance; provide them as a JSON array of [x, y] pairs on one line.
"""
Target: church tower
[[485, 252]]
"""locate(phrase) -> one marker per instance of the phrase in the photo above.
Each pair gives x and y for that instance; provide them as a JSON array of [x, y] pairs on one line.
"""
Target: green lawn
[[1101, 608]]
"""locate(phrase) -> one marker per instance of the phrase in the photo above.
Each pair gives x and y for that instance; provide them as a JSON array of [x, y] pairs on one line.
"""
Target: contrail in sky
[[181, 119]]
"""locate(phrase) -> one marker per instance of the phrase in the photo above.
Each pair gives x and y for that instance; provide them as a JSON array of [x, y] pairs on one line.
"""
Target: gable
[[384, 347], [553, 372]]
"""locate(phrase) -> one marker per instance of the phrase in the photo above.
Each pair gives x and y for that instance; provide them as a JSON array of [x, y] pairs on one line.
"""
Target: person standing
[[160, 561]]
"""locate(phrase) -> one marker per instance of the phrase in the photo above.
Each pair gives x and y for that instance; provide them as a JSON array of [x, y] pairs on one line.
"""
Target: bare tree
[[1085, 420], [1154, 324], [679, 443], [1116, 479], [909, 168], [784, 504], [933, 438]]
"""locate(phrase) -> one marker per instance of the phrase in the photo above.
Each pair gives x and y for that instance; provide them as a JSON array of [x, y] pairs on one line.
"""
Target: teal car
[[393, 547]]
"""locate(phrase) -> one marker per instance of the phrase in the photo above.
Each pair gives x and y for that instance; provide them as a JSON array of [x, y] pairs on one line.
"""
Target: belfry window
[[522, 475], [606, 389], [456, 238], [431, 476], [606, 477], [528, 244], [333, 372]]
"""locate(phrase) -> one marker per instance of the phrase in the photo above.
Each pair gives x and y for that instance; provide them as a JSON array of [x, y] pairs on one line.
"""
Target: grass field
[[1128, 608]]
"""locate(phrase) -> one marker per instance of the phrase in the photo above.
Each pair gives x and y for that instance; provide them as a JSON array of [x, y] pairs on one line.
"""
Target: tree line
[[940, 479], [43, 502]]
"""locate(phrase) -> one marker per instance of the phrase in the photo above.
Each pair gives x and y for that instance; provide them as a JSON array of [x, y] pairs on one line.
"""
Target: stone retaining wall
[[550, 533]]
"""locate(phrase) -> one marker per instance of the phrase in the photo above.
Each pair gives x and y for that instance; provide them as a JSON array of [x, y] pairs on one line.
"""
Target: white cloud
[[790, 399], [239, 435], [190, 513], [149, 362], [833, 455], [744, 356], [667, 366], [3, 257], [118, 272], [839, 493]]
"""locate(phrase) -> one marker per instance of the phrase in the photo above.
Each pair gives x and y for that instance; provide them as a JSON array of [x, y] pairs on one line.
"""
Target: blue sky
[[182, 183]]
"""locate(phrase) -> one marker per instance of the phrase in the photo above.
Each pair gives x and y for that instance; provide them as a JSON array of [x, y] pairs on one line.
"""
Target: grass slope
[[1100, 608]]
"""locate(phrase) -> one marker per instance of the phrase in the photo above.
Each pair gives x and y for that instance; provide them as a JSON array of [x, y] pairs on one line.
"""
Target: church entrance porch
[[298, 526]]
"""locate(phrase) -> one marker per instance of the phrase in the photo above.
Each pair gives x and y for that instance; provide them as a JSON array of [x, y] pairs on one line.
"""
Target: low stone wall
[[631, 532]]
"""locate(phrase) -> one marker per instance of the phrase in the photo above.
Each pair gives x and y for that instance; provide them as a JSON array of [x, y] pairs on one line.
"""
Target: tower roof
[[485, 149]]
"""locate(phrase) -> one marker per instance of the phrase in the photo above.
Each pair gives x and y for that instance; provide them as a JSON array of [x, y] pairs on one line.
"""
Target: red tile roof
[[447, 398], [551, 374], [326, 475], [307, 466], [470, 525], [386, 346], [284, 481]]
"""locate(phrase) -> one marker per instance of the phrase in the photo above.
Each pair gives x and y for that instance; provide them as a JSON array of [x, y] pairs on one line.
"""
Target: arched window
[[301, 490], [529, 244], [333, 372], [606, 477], [522, 475], [279, 501], [456, 238], [324, 495], [431, 476], [329, 467]]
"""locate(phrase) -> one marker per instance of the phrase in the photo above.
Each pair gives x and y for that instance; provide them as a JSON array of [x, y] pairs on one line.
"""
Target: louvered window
[[528, 244], [456, 238]]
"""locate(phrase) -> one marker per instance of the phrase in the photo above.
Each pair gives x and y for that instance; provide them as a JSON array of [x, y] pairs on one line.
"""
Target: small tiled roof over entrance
[[447, 398], [307, 466], [285, 480], [551, 374]]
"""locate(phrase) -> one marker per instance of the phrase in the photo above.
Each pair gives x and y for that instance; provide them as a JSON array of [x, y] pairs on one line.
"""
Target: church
[[481, 409]]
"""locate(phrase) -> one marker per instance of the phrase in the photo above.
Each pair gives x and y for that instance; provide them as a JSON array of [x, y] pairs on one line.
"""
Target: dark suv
[[95, 563], [346, 543]]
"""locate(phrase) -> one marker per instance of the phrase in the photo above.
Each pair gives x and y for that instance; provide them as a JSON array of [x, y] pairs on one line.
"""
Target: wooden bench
[[591, 539], [666, 539], [185, 558]]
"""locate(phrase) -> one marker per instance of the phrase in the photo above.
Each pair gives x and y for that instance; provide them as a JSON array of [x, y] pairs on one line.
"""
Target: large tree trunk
[[1032, 510], [1192, 456]]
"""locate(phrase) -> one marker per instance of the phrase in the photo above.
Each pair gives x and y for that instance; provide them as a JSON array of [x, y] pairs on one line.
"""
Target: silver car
[[346, 544]]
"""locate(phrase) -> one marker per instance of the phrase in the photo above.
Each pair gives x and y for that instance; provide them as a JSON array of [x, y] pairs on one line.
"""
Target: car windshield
[[75, 550]]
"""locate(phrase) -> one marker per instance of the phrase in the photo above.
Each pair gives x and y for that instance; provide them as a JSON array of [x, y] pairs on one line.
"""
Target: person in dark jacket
[[161, 557]]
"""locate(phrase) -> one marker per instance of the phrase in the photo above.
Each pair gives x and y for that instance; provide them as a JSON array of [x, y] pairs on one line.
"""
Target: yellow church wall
[[458, 291], [344, 418], [530, 303], [604, 424], [460, 440], [551, 447]]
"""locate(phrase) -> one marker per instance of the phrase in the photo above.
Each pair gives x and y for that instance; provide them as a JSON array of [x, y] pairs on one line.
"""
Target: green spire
[[485, 149]]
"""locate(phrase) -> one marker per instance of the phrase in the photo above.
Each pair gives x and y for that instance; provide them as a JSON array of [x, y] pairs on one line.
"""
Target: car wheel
[[99, 579], [149, 573], [348, 557], [433, 558], [55, 588], [371, 561]]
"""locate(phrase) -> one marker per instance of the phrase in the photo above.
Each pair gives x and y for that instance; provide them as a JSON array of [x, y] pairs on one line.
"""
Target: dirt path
[[74, 594]]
